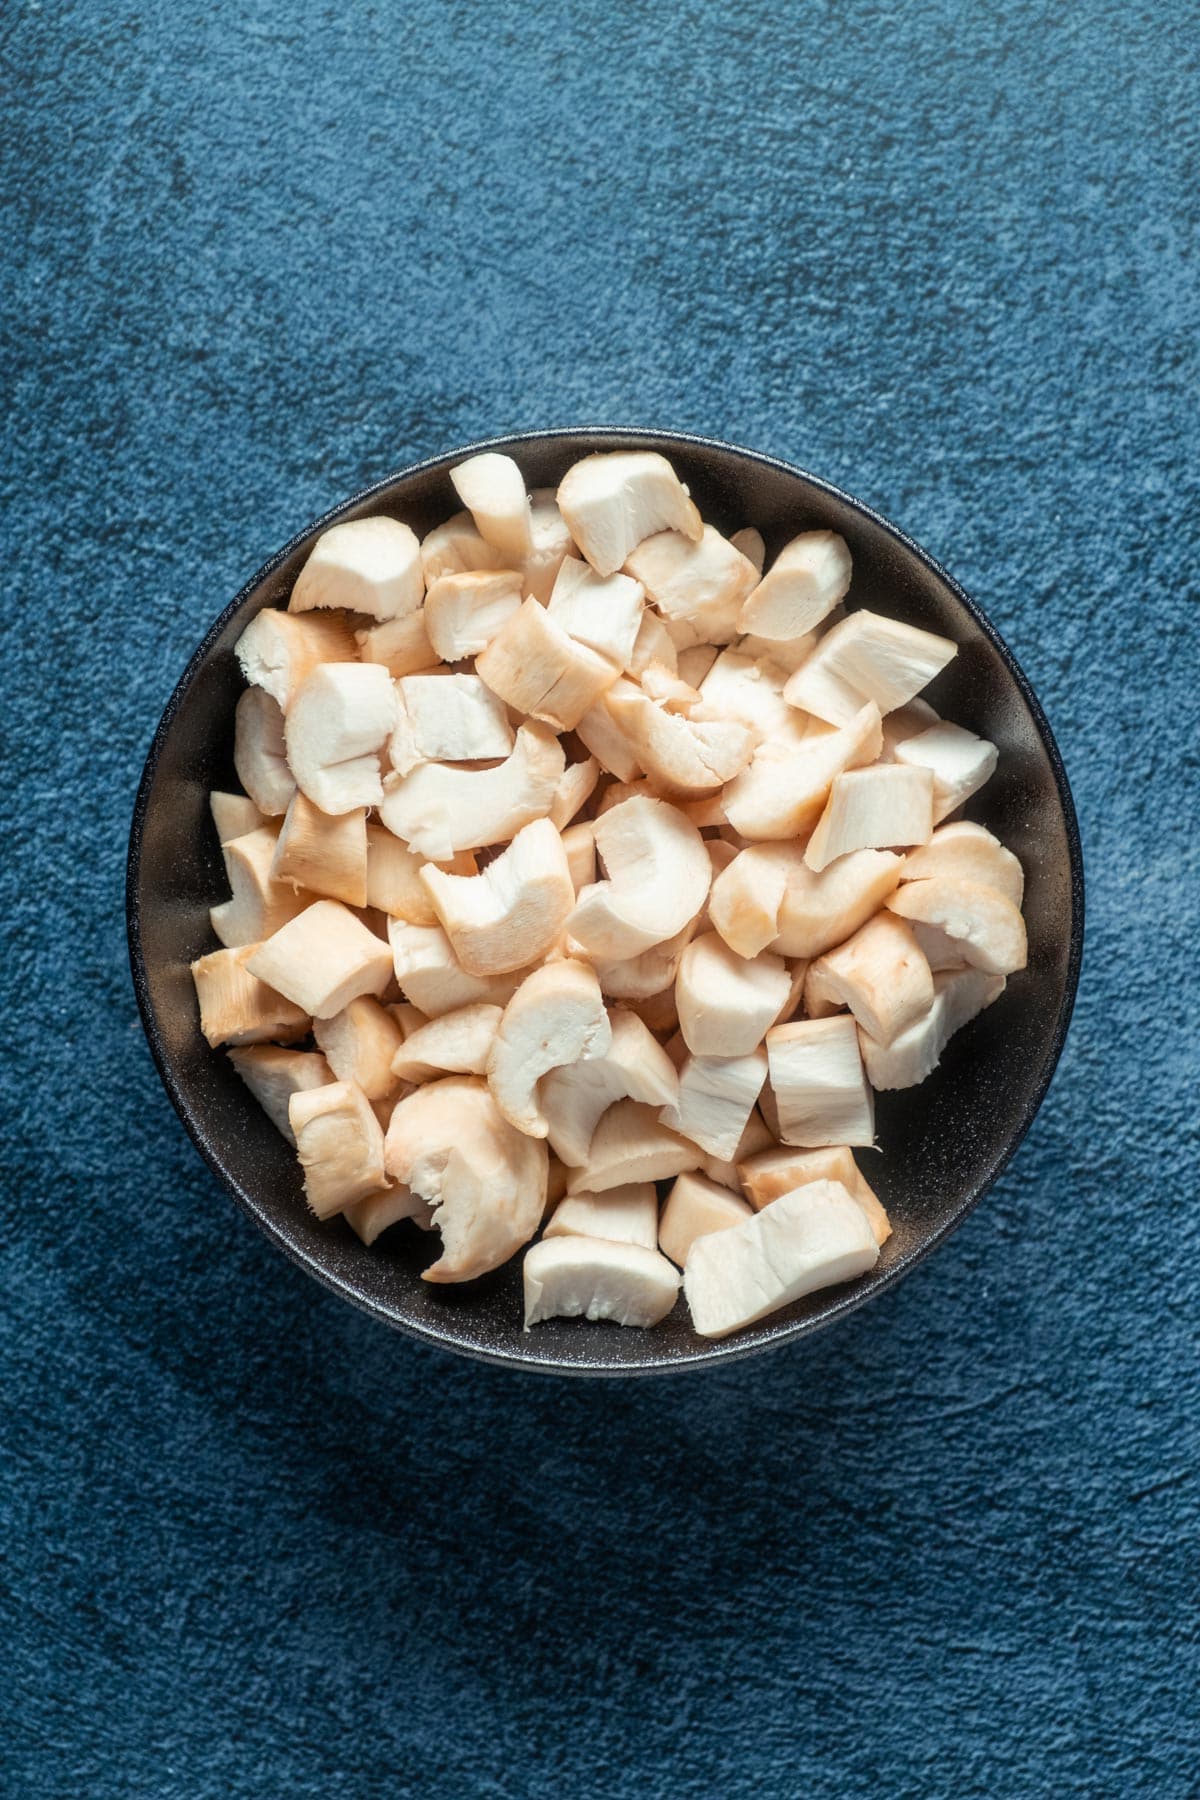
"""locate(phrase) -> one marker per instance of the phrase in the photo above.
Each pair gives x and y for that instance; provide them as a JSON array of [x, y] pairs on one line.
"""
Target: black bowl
[[943, 1144]]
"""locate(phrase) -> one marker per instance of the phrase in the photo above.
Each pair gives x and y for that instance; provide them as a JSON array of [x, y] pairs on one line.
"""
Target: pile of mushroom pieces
[[580, 860]]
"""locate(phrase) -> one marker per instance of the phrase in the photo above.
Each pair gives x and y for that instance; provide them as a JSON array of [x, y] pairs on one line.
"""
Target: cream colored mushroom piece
[[513, 912], [631, 1144], [334, 730], [258, 903], [703, 581], [431, 976], [880, 808], [783, 791], [695, 1208], [769, 897], [573, 1098], [588, 1277], [624, 1215], [233, 815], [325, 853], [439, 810], [537, 668], [717, 1095], [867, 657], [394, 882], [378, 1212], [556, 1017], [817, 1236], [448, 717], [464, 612], [359, 1043], [775, 1171], [989, 927], [607, 740], [613, 500], [259, 757], [579, 844], [340, 1145], [401, 646], [370, 566], [458, 1043], [681, 756], [803, 585], [551, 545], [959, 762], [603, 612], [492, 489], [323, 959], [455, 547], [278, 651], [236, 1007], [657, 880], [971, 853], [575, 788], [727, 1002], [914, 1053], [274, 1073], [880, 973], [819, 1084]]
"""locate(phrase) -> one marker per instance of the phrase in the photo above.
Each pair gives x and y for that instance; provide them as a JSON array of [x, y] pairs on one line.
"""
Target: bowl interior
[[941, 1144]]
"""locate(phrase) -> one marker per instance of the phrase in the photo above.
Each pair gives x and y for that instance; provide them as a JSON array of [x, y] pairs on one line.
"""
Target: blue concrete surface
[[944, 255]]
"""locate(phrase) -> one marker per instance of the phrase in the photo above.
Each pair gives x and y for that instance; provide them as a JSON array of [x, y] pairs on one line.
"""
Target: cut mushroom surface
[[274, 1073], [770, 1173], [464, 612], [959, 762], [587, 1277], [259, 903], [603, 612], [624, 1215], [370, 566], [879, 808], [717, 1094], [819, 1084], [450, 718], [278, 651], [867, 658], [701, 580], [695, 1208], [989, 927], [573, 1098], [439, 810], [801, 588], [657, 879], [335, 728], [509, 915], [538, 669], [971, 853], [322, 959], [339, 1143], [612, 501], [258, 752], [458, 1043], [880, 973], [727, 1002], [492, 489], [557, 1016]]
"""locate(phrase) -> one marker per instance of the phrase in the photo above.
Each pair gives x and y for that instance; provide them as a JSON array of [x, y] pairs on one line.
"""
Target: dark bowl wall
[[940, 1144]]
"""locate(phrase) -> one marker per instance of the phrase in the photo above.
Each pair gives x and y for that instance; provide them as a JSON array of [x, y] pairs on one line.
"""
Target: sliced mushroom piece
[[439, 810], [431, 976], [777, 1171], [653, 644], [879, 808], [236, 1008], [749, 690], [340, 1146], [959, 761], [551, 544], [702, 580], [905, 722], [717, 1094], [511, 913], [989, 927], [455, 548], [783, 791], [681, 757], [588, 1277], [970, 853], [359, 1043], [669, 690], [575, 788], [278, 651], [880, 973], [695, 1208], [631, 1144], [387, 1206], [747, 896], [939, 950], [534, 666], [757, 1136], [464, 612], [556, 1185], [401, 646], [602, 611], [959, 994], [322, 852], [394, 882], [234, 815], [258, 752], [259, 904], [820, 910], [579, 846], [273, 1074], [818, 1083], [867, 657], [574, 1098], [726, 1002], [492, 488], [453, 718], [335, 728], [658, 874], [323, 959], [749, 542], [785, 653], [487, 1182], [612, 501], [607, 741], [637, 977], [801, 588], [370, 566], [817, 1236], [624, 1215], [457, 1043], [556, 1017]]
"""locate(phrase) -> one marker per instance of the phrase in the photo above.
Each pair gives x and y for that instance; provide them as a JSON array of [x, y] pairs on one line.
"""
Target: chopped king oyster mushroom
[[595, 867]]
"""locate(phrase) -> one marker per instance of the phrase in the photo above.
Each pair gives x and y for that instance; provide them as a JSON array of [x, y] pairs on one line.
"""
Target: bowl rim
[[715, 1352]]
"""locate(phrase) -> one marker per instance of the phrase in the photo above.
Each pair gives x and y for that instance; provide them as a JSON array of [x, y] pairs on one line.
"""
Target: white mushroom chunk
[[820, 910], [750, 690], [394, 882], [359, 1043], [939, 950], [579, 845], [575, 788], [631, 1144], [905, 722], [492, 488], [273, 1074], [602, 611], [323, 852], [339, 1143], [335, 728], [455, 548], [439, 810], [431, 976], [717, 1094], [555, 1017], [702, 580], [815, 1237], [749, 542], [457, 1043], [534, 666], [681, 757], [234, 815], [879, 808], [599, 733], [880, 973], [574, 1098], [867, 657], [510, 914], [237, 1008], [959, 761], [989, 927], [783, 791], [818, 1083], [726, 1002], [278, 651], [637, 977], [401, 646], [611, 501], [378, 1212], [453, 718], [448, 1143], [370, 566], [971, 853], [624, 1215], [959, 994], [771, 1173], [258, 904], [757, 1136], [588, 1277], [551, 543], [658, 874], [464, 612], [801, 588], [323, 959], [258, 752], [695, 1208], [653, 644], [747, 895]]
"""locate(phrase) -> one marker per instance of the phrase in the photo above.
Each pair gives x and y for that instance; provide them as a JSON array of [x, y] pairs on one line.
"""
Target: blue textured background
[[945, 256]]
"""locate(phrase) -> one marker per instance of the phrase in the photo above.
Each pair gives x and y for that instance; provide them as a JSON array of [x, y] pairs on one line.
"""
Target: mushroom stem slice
[[359, 1043], [989, 927], [821, 910], [959, 994], [867, 657], [695, 1208], [394, 882], [746, 897], [959, 761], [880, 973], [815, 1237], [339, 1143], [631, 1144], [492, 488], [727, 1002], [603, 612], [439, 810], [278, 651], [575, 788], [259, 904], [624, 1215], [588, 1277], [579, 843], [879, 808], [606, 739], [234, 815], [818, 1082], [273, 1074], [681, 756], [452, 718], [701, 580], [370, 566], [236, 1007], [574, 1098], [458, 1042], [323, 959], [336, 726], [455, 547], [770, 1173], [325, 853], [801, 588], [971, 853], [783, 791], [611, 501], [555, 1017], [510, 914], [401, 646], [431, 976], [717, 1095], [658, 878], [535, 667], [258, 752], [464, 612]]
